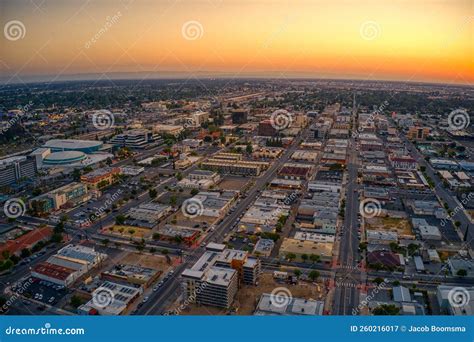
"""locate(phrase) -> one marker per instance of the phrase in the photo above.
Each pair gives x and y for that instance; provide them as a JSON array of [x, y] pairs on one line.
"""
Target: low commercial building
[[132, 274], [131, 170], [237, 167], [68, 264], [214, 203], [118, 298], [315, 237], [320, 186], [60, 275], [444, 164], [200, 179], [270, 304], [381, 237], [288, 184], [262, 217], [305, 156], [100, 178], [431, 208], [296, 171], [457, 264], [403, 162], [264, 247], [179, 233], [25, 241], [168, 129], [267, 152], [147, 215]]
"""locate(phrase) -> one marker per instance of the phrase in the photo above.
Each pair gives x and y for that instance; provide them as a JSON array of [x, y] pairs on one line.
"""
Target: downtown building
[[214, 279], [15, 169]]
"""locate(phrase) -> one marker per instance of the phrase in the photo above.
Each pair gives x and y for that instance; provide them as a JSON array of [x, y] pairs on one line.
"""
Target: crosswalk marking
[[345, 284], [349, 267]]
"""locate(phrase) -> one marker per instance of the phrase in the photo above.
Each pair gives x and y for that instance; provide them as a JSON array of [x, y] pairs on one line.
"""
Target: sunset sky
[[407, 40]]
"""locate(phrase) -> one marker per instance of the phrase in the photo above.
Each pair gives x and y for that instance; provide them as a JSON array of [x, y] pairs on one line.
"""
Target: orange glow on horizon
[[424, 40]]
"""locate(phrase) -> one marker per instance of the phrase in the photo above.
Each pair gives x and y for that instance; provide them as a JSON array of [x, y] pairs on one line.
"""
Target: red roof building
[[28, 240], [54, 273]]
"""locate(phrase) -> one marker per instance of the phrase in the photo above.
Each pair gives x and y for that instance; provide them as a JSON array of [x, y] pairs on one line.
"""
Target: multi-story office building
[[266, 129], [136, 138], [214, 279], [239, 116], [15, 169], [66, 196], [418, 133]]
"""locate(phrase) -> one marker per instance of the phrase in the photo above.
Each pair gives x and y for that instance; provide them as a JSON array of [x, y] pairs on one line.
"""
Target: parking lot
[[45, 291]]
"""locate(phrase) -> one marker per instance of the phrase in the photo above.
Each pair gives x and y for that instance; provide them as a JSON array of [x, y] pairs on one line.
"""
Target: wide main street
[[347, 274]]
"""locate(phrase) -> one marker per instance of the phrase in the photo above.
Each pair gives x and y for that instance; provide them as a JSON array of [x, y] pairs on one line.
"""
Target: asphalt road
[[347, 276]]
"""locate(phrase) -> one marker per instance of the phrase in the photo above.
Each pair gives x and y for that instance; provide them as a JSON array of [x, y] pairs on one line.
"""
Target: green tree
[[173, 200], [120, 219], [76, 301], [152, 193], [25, 253], [378, 280], [314, 258], [313, 275], [386, 310]]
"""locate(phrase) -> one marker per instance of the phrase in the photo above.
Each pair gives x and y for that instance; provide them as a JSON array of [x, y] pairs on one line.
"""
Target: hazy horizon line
[[177, 75]]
